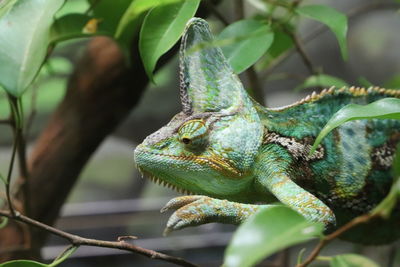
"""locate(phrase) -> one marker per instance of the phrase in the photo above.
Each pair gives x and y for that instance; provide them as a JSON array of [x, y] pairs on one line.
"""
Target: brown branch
[[327, 239], [101, 92], [76, 240]]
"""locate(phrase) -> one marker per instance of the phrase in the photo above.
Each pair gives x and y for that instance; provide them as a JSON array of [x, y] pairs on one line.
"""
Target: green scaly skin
[[232, 152]]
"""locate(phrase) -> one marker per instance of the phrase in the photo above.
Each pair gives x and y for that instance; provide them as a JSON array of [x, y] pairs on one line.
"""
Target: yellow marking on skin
[[201, 123], [355, 91], [280, 183], [219, 164], [216, 162]]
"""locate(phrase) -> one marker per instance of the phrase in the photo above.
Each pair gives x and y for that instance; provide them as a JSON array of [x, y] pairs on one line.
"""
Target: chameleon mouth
[[164, 183], [216, 162]]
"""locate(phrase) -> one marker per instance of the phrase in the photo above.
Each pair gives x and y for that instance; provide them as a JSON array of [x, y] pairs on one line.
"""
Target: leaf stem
[[327, 239], [324, 258], [64, 255], [13, 153]]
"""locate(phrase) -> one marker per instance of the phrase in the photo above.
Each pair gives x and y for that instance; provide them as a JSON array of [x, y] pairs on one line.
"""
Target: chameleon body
[[237, 156]]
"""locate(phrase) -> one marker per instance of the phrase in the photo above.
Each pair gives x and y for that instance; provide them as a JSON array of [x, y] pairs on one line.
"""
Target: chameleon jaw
[[164, 183], [220, 164]]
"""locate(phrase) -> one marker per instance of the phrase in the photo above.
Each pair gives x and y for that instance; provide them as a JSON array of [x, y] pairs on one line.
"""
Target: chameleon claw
[[167, 231], [174, 223], [179, 202]]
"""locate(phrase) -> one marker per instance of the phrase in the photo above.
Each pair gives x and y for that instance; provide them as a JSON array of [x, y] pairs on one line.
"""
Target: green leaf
[[110, 20], [332, 18], [351, 260], [75, 26], [393, 83], [130, 20], [5, 6], [23, 263], [29, 263], [364, 82], [24, 39], [161, 29], [3, 222], [386, 108], [321, 80], [64, 255], [77, 7], [57, 66], [282, 43], [267, 232], [3, 179], [386, 206], [250, 39], [396, 162]]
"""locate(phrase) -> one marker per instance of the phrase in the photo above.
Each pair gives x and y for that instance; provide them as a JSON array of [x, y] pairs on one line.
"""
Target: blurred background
[[111, 198]]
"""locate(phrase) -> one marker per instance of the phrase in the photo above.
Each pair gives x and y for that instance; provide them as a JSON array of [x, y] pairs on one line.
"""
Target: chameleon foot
[[197, 210]]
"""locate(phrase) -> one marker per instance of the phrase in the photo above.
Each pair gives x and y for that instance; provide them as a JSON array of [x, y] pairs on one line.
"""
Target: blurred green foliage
[[31, 72]]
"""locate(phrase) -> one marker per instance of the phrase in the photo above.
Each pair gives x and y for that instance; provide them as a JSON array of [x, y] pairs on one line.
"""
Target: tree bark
[[100, 94]]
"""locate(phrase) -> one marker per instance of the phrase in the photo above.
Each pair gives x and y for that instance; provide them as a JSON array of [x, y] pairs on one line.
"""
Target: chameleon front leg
[[271, 171], [197, 210], [271, 176]]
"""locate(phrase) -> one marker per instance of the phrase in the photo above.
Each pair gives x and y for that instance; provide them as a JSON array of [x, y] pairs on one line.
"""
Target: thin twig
[[24, 173], [32, 113], [295, 3], [238, 9], [322, 28], [252, 76], [76, 240], [255, 85], [19, 150], [210, 6], [300, 49], [327, 239], [392, 256], [286, 75], [278, 3], [20, 146], [13, 154], [8, 184], [5, 121]]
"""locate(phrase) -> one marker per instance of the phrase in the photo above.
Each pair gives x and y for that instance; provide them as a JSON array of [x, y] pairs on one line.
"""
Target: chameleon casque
[[237, 156]]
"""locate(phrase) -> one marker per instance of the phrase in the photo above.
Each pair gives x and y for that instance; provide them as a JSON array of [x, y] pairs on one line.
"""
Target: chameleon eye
[[193, 134], [186, 140]]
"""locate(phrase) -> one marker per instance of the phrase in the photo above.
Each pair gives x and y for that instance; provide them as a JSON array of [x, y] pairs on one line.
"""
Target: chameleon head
[[210, 146]]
